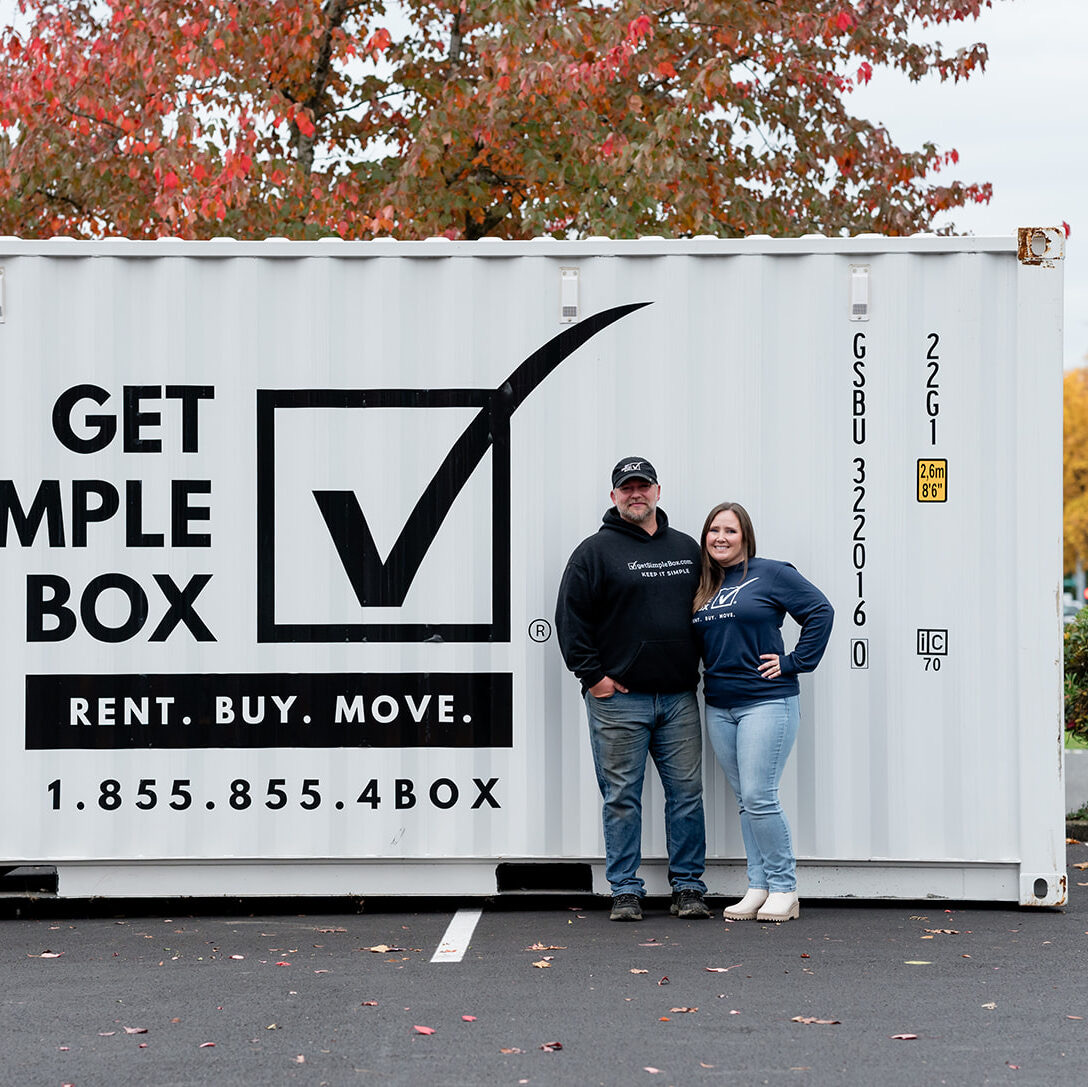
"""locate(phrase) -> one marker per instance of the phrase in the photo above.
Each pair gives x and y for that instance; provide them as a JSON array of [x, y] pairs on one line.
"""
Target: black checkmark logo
[[385, 584]]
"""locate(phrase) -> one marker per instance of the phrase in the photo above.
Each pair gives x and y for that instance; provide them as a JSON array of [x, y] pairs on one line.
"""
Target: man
[[624, 624]]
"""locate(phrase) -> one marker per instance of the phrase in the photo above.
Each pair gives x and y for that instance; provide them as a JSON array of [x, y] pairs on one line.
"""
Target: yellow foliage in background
[[1075, 467]]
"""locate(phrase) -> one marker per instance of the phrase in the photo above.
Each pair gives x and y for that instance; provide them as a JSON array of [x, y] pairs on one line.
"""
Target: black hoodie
[[624, 607]]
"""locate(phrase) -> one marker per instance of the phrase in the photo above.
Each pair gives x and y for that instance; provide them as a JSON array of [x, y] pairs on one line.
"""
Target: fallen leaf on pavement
[[654, 943], [664, 1019], [552, 1047], [636, 971], [944, 931], [1074, 1017], [545, 947], [683, 1009], [512, 1049], [135, 1030], [332, 930], [423, 1030], [300, 1059], [990, 1006], [383, 949], [905, 1037], [47, 955], [469, 1018], [1082, 867], [369, 1004], [542, 964], [813, 1019], [237, 956], [106, 1033], [726, 969], [283, 963], [652, 1071]]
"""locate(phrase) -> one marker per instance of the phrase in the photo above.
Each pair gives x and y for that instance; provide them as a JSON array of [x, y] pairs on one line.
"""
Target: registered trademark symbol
[[540, 630]]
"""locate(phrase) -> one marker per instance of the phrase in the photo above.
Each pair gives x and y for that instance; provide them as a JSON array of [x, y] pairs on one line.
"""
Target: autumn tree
[[511, 118], [1075, 467]]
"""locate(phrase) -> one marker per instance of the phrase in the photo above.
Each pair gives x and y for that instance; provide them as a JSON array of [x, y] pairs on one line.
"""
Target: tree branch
[[335, 10], [454, 55], [60, 198]]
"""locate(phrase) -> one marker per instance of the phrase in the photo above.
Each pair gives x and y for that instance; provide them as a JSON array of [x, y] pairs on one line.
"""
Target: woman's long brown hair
[[710, 573]]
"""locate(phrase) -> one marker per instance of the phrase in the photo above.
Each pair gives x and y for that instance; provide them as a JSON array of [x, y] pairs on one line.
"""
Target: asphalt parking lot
[[542, 992]]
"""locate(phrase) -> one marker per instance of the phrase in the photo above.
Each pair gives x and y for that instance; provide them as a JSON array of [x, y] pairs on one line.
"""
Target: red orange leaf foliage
[[514, 118]]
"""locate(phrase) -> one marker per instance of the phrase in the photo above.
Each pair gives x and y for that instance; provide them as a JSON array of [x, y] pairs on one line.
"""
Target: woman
[[751, 690]]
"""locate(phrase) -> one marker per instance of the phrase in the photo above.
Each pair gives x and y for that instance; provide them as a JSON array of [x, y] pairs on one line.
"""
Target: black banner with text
[[104, 712]]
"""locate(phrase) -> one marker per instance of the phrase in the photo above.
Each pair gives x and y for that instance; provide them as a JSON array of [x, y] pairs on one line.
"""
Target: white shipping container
[[282, 525]]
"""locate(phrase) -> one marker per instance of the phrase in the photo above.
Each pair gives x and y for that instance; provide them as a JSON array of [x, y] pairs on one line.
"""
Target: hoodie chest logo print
[[664, 568], [728, 597]]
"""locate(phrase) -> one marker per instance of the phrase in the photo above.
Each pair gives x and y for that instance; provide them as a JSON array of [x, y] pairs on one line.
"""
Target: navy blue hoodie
[[743, 619], [624, 607]]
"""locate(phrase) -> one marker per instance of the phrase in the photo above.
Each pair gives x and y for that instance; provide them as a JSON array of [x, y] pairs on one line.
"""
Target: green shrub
[[1076, 676]]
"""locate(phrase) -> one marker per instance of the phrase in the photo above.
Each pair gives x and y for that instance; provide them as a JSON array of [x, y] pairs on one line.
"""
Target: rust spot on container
[[1039, 245], [1040, 892]]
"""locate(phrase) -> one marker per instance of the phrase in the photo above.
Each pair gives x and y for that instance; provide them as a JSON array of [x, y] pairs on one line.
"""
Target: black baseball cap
[[633, 468]]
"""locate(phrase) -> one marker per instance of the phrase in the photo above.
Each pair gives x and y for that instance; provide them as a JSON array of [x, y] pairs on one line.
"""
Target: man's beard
[[637, 516]]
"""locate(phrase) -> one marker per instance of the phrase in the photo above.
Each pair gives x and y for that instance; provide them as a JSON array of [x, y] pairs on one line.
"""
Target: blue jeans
[[752, 743], [623, 730]]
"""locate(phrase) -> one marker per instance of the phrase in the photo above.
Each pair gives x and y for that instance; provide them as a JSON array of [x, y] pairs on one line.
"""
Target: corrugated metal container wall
[[214, 683]]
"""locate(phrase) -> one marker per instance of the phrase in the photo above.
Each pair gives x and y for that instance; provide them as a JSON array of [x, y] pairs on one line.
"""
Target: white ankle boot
[[747, 907], [780, 906]]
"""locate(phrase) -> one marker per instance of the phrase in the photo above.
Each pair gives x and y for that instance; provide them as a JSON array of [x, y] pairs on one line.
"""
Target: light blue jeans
[[752, 743], [623, 730]]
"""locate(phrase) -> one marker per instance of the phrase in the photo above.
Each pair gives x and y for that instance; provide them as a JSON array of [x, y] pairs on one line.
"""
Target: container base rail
[[861, 881]]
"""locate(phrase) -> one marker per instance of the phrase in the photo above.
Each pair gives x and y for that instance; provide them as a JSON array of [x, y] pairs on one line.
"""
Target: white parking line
[[458, 936]]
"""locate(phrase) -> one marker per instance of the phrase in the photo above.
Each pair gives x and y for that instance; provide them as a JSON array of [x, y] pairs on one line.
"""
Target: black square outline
[[859, 667], [268, 630]]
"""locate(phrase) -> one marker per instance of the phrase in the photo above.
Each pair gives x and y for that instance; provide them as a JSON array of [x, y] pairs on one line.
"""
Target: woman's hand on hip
[[771, 668]]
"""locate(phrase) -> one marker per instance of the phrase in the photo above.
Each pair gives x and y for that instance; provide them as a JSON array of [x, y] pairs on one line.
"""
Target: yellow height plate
[[932, 480]]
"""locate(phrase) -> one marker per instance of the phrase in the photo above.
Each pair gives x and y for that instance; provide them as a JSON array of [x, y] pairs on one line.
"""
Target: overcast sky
[[1021, 125]]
